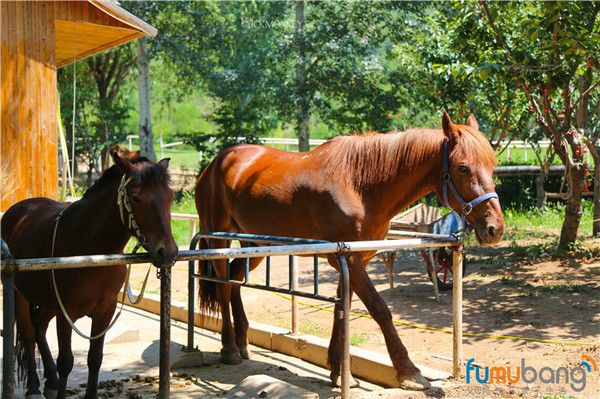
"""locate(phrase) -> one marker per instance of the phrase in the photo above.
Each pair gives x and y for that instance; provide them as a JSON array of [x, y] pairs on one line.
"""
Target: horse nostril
[[491, 231], [166, 254]]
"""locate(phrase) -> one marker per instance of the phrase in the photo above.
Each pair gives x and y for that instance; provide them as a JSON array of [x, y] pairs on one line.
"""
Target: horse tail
[[20, 355], [207, 290]]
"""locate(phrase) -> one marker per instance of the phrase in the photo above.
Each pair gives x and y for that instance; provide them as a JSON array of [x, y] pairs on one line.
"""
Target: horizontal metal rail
[[72, 262], [260, 238], [268, 288]]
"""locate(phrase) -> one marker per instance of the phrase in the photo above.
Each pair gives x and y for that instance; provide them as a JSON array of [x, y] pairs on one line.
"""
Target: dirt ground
[[516, 289]]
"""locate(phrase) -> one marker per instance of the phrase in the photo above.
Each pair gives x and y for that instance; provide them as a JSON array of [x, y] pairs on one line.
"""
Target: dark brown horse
[[130, 198], [344, 190]]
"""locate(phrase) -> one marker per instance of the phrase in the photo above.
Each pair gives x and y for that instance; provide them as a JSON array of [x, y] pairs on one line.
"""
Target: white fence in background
[[512, 147]]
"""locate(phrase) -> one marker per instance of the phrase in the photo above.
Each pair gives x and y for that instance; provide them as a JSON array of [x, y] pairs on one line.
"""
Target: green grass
[[516, 156], [357, 339], [181, 228], [535, 223], [311, 328], [182, 157]]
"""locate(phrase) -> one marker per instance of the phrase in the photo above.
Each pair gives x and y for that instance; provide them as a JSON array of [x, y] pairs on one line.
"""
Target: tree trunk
[[303, 102], [145, 130], [539, 189], [573, 209], [596, 210]]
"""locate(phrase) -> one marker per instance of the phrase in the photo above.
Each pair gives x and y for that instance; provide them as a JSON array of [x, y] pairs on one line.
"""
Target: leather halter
[[467, 207], [129, 222]]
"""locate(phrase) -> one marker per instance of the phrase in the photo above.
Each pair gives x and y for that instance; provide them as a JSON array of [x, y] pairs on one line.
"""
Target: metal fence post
[[8, 330], [345, 293], [8, 337], [294, 287], [191, 295], [165, 334]]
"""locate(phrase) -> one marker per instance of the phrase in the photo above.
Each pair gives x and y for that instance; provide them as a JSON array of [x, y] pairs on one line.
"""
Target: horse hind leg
[[240, 321], [41, 319], [26, 347], [230, 353]]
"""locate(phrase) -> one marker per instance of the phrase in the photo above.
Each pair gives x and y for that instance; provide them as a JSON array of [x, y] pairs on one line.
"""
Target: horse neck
[[408, 185], [101, 211]]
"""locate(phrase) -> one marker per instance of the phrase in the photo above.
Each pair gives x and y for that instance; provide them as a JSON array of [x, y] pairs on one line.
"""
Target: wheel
[[443, 269]]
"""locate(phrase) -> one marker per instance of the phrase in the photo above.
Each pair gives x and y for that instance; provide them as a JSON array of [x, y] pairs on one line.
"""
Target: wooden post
[[457, 267]]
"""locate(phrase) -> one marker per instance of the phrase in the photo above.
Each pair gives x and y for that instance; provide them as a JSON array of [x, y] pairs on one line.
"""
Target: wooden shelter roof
[[89, 27]]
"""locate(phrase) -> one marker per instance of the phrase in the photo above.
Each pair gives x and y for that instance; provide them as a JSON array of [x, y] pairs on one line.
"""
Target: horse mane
[[372, 158], [146, 172]]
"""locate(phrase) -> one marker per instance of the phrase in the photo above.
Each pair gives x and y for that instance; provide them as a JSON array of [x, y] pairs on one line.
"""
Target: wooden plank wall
[[28, 144], [29, 114]]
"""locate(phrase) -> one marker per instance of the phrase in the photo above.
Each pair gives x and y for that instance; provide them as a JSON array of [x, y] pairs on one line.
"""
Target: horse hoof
[[50, 393], [230, 357], [415, 382], [336, 381], [244, 352]]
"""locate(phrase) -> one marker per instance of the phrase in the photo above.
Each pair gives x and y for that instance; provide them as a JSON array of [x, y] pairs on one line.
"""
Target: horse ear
[[123, 163], [472, 122], [164, 162], [449, 128]]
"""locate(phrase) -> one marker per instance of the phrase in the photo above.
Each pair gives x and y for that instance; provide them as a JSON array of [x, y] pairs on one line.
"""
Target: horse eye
[[136, 199], [463, 168]]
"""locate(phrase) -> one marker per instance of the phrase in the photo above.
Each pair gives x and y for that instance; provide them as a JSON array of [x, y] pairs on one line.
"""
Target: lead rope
[[59, 300]]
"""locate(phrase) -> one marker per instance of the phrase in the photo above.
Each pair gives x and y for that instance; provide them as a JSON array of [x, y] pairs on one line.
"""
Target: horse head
[[467, 185], [145, 204]]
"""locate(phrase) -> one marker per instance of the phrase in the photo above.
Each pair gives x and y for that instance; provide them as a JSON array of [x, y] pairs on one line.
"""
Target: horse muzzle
[[164, 255], [489, 232]]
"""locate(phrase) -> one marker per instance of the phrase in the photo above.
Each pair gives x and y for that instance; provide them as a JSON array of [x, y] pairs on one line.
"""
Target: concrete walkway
[[130, 365]]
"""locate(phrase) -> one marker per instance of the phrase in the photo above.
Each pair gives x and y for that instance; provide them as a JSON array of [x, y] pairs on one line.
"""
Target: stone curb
[[367, 365]]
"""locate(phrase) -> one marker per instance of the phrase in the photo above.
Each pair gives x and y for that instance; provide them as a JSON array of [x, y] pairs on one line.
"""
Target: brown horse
[[129, 198], [347, 189]]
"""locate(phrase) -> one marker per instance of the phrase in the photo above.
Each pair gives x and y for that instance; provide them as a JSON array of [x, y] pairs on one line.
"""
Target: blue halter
[[467, 207]]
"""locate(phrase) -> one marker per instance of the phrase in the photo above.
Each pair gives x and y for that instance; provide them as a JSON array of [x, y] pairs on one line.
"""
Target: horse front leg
[[26, 346], [41, 318], [407, 373], [96, 351], [64, 362]]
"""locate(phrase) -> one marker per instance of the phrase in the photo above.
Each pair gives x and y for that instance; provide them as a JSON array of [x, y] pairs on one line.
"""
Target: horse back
[[260, 190], [27, 226]]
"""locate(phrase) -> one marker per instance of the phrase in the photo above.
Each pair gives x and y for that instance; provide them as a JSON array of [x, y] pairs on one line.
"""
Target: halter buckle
[[467, 208]]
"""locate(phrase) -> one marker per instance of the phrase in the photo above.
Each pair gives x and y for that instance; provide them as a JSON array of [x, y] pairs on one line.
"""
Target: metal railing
[[286, 247]]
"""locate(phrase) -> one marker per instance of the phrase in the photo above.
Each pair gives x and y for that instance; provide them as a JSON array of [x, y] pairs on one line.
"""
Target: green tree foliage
[[101, 111], [246, 56], [528, 70], [550, 52]]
